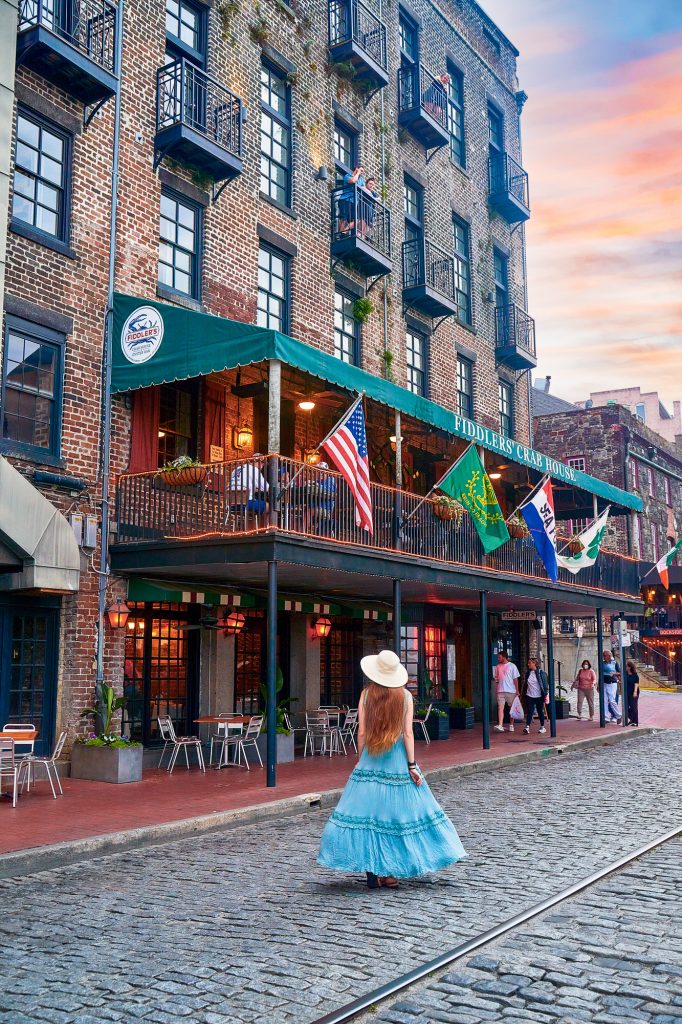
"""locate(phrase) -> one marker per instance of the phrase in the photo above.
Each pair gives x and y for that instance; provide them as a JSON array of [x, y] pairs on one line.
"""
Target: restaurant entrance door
[[161, 671], [28, 667]]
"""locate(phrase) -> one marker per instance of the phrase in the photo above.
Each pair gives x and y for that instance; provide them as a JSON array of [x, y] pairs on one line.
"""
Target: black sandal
[[372, 880]]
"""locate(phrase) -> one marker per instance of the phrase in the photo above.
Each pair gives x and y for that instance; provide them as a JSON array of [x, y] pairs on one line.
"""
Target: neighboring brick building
[[236, 120], [647, 406]]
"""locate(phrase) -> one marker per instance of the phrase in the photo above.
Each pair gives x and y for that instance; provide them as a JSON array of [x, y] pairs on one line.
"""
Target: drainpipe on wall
[[521, 98], [9, 19], [103, 576], [628, 518], [382, 109]]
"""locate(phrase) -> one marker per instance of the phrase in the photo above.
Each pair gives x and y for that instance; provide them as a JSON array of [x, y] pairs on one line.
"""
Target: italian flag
[[663, 564]]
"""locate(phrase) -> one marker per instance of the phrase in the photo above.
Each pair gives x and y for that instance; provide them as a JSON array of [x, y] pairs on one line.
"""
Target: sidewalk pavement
[[94, 818]]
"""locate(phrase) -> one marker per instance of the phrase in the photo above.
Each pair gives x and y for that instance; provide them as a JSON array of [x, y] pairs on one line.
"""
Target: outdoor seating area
[[19, 763]]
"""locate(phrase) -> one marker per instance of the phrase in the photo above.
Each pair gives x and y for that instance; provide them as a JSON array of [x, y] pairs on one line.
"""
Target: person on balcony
[[387, 822], [584, 683], [347, 199], [506, 676], [368, 209], [533, 692], [611, 678], [248, 486], [326, 500], [436, 97]]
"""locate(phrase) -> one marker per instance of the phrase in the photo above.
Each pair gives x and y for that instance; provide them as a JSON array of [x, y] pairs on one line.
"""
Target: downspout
[[521, 98], [103, 575], [383, 198]]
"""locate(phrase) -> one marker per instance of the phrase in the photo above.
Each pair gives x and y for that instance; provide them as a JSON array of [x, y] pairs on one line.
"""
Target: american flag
[[347, 448]]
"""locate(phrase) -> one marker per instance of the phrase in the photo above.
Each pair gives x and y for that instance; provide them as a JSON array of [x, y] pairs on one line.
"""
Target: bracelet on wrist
[[411, 764]]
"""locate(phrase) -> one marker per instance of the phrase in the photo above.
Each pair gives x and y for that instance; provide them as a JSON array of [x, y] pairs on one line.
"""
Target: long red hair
[[384, 714]]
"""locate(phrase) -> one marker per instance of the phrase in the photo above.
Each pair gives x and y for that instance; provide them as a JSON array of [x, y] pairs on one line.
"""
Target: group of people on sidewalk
[[533, 693]]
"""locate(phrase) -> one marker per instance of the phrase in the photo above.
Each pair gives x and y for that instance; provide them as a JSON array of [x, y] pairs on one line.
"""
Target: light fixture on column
[[323, 627], [306, 405], [242, 434], [394, 442], [118, 613], [234, 622]]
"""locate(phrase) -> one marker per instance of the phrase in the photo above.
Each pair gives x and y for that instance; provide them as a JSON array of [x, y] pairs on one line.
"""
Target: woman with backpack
[[533, 693]]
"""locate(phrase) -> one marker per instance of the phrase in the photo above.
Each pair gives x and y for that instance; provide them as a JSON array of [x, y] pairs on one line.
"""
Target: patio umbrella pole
[[271, 671]]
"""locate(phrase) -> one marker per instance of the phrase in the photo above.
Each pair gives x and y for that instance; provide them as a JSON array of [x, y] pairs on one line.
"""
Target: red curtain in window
[[214, 419], [144, 444]]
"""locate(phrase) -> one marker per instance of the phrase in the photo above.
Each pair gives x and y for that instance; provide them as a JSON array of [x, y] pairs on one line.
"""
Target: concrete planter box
[[285, 749], [461, 718], [106, 764], [562, 708]]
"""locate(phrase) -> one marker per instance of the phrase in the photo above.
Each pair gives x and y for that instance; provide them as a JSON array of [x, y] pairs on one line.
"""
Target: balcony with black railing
[[361, 230], [423, 106], [508, 184], [428, 278], [357, 35], [198, 121], [71, 43], [514, 337]]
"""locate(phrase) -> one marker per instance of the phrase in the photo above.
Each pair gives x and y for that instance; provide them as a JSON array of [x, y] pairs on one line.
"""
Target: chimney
[[548, 381]]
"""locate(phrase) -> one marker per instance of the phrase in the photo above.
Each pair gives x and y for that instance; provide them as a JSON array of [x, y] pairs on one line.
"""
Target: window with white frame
[[668, 491], [415, 352], [639, 535], [577, 462], [650, 481]]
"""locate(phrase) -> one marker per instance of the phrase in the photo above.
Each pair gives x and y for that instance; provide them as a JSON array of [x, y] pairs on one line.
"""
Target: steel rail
[[377, 995]]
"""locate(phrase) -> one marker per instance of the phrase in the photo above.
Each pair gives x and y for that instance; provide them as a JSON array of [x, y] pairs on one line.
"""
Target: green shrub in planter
[[437, 725], [461, 714]]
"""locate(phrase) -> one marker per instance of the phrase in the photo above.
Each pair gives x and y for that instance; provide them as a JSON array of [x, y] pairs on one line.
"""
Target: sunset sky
[[602, 142]]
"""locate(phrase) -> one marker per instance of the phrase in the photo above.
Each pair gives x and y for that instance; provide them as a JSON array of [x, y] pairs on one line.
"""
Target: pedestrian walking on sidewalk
[[506, 676], [534, 690], [632, 684], [611, 677], [584, 683], [387, 822]]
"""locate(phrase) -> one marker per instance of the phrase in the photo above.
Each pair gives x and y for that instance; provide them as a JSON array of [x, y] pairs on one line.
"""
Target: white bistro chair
[[241, 741], [48, 763], [218, 737], [421, 723], [27, 744], [178, 743], [11, 767], [349, 729], [319, 729]]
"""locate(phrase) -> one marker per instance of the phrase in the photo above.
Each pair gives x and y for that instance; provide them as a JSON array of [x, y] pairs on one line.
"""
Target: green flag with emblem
[[468, 483], [591, 539]]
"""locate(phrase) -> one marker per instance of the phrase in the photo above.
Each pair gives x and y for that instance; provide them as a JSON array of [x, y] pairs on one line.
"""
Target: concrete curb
[[46, 858]]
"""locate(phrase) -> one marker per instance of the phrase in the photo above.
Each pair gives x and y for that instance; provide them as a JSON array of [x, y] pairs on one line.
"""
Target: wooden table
[[18, 737], [234, 720]]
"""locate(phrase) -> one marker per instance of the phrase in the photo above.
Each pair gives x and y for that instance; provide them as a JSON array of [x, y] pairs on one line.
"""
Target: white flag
[[591, 539]]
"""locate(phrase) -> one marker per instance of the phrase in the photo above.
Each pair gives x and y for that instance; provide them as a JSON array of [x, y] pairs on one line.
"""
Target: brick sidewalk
[[94, 809]]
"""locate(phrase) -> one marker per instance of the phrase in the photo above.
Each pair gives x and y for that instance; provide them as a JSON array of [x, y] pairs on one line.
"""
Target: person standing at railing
[[367, 213], [632, 685], [348, 199], [326, 500], [436, 96]]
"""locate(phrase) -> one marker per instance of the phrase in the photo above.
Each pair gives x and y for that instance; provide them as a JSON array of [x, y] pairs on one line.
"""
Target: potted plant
[[448, 508], [437, 724], [461, 714], [517, 527], [182, 472], [562, 706], [285, 738], [105, 756], [575, 545]]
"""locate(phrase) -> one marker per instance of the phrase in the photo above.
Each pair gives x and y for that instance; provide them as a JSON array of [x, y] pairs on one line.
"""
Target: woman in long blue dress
[[387, 822]]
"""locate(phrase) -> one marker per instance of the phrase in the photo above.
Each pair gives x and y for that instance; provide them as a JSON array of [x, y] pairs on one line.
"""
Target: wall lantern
[[234, 623], [242, 436], [118, 613], [323, 627]]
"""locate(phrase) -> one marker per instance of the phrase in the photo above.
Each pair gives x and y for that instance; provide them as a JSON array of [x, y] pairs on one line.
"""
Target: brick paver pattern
[[243, 926]]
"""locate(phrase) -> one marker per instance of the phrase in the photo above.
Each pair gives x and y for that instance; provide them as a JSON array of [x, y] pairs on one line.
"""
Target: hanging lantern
[[242, 436], [234, 623], [323, 627], [118, 613], [311, 456]]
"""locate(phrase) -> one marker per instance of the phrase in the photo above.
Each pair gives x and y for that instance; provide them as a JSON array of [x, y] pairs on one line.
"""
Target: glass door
[[28, 670]]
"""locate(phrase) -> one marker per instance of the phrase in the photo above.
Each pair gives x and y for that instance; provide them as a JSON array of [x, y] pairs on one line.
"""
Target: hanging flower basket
[[575, 546], [184, 477], [517, 530], [448, 509]]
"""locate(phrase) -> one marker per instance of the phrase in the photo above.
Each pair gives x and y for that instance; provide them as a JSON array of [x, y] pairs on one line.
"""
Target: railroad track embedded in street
[[371, 999]]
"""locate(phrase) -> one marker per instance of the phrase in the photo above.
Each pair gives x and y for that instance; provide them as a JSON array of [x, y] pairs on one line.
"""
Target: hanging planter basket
[[448, 510], [517, 531], [575, 546], [186, 477]]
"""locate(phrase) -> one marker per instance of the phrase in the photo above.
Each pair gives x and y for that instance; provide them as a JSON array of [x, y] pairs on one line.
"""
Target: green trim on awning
[[196, 344], [172, 593]]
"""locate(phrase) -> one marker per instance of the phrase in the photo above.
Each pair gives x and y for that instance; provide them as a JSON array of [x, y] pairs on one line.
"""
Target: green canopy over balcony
[[155, 343]]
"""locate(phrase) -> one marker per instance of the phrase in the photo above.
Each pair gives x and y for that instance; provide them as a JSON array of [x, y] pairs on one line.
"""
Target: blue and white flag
[[538, 511]]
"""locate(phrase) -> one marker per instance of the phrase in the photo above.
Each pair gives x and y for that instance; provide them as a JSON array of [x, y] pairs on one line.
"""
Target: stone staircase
[[651, 679]]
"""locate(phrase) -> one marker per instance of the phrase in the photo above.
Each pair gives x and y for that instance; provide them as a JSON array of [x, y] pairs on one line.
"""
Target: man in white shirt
[[506, 676]]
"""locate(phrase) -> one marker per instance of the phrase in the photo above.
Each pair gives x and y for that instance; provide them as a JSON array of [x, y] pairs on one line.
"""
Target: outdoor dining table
[[234, 721], [19, 738]]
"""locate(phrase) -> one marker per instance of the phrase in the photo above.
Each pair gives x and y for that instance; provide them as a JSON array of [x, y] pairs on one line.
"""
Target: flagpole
[[607, 509], [527, 498], [336, 426], [440, 480]]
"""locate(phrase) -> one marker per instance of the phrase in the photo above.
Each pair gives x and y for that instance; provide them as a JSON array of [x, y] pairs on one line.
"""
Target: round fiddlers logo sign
[[142, 334]]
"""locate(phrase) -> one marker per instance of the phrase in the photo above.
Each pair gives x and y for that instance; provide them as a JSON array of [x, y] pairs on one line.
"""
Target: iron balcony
[[514, 337], [508, 188], [361, 230], [428, 278], [198, 121], [72, 44], [358, 36], [423, 106]]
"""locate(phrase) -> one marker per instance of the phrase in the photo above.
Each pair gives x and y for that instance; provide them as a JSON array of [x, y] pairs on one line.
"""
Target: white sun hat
[[385, 669]]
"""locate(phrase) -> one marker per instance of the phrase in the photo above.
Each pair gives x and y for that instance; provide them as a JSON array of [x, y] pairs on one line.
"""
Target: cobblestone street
[[243, 926]]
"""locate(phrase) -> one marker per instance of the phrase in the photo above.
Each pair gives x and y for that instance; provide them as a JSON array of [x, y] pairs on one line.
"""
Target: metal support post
[[621, 654], [397, 616], [600, 667], [485, 669], [274, 431], [549, 620], [271, 675]]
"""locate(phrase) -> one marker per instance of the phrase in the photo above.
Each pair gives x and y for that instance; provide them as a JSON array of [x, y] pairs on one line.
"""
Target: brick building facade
[[236, 122]]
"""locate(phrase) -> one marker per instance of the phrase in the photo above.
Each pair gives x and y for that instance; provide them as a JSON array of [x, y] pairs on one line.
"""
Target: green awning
[[155, 343]]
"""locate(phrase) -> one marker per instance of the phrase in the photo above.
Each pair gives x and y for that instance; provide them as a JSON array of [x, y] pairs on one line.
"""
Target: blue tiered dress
[[387, 825]]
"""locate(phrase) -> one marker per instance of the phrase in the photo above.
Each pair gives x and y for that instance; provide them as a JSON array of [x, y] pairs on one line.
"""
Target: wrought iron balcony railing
[[427, 265], [508, 187], [351, 21], [418, 89], [187, 95], [87, 25], [514, 328], [229, 500], [357, 215]]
